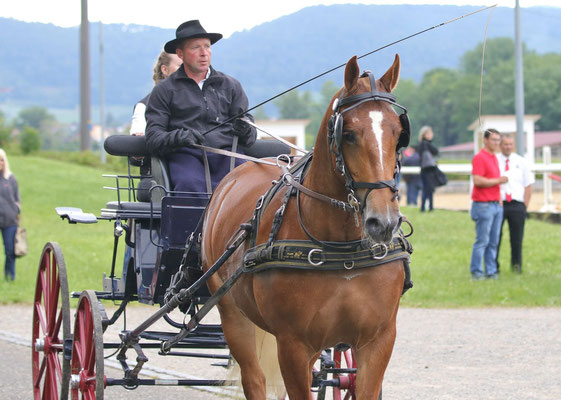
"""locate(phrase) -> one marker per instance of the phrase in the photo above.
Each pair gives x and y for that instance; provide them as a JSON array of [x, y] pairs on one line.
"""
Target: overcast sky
[[224, 16]]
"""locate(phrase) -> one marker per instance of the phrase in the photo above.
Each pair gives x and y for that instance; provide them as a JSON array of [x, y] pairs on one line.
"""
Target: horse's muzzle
[[381, 228]]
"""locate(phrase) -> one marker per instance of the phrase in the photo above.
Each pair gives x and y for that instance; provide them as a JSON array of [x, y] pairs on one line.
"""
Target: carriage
[[193, 251]]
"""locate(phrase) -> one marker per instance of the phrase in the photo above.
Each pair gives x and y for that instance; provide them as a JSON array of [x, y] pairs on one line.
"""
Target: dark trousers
[[428, 191], [9, 237], [187, 170], [515, 213]]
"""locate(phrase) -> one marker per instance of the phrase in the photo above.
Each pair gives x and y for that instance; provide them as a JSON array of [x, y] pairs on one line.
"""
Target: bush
[[30, 140]]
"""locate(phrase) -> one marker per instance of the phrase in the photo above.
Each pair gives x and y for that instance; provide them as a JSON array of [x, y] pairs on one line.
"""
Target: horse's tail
[[269, 362], [266, 346]]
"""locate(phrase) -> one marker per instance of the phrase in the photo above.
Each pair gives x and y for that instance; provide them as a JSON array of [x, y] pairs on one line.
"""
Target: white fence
[[545, 168]]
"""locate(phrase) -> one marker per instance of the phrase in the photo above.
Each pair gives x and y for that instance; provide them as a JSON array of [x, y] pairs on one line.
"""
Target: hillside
[[266, 59]]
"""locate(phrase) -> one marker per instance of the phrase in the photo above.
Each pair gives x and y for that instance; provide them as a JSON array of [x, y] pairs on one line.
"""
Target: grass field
[[440, 262]]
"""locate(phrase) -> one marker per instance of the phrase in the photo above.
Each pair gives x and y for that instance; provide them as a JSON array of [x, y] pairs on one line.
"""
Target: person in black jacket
[[9, 214], [190, 108], [427, 153]]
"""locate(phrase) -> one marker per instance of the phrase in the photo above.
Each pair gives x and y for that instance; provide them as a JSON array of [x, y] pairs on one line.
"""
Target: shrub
[[30, 140]]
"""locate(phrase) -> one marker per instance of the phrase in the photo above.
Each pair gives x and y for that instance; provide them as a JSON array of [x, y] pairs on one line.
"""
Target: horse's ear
[[351, 74], [391, 77]]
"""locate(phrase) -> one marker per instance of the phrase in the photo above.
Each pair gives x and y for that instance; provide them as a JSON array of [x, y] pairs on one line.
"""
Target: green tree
[[294, 105], [33, 117], [5, 131], [497, 51], [30, 140]]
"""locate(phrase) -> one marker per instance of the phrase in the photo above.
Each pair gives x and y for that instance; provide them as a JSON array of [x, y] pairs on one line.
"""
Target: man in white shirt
[[515, 195]]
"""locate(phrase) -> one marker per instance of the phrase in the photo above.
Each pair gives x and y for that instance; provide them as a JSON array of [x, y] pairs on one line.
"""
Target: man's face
[[195, 54], [492, 142], [507, 145]]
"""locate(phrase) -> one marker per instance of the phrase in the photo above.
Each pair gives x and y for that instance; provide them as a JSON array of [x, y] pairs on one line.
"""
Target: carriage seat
[[155, 169]]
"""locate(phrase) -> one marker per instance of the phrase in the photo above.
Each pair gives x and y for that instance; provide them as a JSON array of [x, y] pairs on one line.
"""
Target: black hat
[[189, 30]]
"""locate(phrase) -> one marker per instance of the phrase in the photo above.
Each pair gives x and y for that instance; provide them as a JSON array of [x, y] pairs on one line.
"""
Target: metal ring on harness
[[385, 247], [313, 251], [349, 264], [403, 219], [284, 157]]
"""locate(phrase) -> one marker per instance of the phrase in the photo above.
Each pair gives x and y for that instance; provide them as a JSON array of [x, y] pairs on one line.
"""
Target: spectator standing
[[515, 195], [190, 108], [486, 208], [166, 65], [9, 214], [427, 153], [413, 181]]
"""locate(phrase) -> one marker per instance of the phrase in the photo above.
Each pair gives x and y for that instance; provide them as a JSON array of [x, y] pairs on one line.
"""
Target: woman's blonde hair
[[6, 172], [423, 131], [163, 59]]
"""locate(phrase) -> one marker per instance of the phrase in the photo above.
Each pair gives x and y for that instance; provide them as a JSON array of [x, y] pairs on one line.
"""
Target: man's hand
[[189, 137], [240, 128], [503, 179]]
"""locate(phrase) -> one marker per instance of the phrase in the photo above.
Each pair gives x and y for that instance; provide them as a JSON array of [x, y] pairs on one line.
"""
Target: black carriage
[[161, 231]]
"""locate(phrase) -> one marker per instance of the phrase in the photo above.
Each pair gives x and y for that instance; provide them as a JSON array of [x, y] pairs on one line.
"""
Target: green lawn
[[440, 262], [45, 184]]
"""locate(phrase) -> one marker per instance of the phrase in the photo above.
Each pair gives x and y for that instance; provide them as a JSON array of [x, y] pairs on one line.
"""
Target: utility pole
[[519, 84], [101, 95], [85, 120]]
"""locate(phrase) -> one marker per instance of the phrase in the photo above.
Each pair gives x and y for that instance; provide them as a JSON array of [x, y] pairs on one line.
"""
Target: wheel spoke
[[57, 325], [54, 295], [41, 371], [50, 384], [89, 340], [41, 317]]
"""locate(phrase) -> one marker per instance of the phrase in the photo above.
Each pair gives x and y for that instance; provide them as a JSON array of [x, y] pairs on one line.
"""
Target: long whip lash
[[358, 58], [483, 64]]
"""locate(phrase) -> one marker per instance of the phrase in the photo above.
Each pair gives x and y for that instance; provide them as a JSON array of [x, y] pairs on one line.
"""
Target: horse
[[353, 164]]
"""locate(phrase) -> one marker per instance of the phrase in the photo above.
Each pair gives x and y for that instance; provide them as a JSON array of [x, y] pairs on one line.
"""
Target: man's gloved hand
[[240, 128], [189, 137]]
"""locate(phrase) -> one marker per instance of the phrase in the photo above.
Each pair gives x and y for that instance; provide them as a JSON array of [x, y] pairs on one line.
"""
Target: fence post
[[548, 204]]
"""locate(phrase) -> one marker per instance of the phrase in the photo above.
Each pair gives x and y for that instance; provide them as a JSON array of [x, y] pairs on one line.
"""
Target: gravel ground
[[479, 354]]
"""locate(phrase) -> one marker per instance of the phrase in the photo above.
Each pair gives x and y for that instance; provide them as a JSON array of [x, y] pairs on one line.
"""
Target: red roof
[[540, 139]]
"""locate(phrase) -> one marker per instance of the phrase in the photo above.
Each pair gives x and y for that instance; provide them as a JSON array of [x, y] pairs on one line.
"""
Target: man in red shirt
[[486, 208]]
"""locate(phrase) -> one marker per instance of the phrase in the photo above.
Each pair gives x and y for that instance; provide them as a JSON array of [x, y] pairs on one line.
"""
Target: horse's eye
[[350, 137]]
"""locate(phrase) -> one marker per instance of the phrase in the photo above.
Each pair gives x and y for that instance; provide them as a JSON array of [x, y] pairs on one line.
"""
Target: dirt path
[[468, 354]]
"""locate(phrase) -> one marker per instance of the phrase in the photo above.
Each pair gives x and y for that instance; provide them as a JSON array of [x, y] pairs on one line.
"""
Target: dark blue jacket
[[177, 103]]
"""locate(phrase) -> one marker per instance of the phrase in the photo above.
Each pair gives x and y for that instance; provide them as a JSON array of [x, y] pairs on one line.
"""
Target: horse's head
[[365, 133]]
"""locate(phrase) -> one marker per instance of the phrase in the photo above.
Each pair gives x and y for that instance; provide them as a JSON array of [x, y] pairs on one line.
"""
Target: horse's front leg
[[295, 360], [372, 360]]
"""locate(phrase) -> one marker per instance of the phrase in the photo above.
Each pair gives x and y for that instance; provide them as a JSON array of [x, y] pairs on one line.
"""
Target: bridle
[[335, 136]]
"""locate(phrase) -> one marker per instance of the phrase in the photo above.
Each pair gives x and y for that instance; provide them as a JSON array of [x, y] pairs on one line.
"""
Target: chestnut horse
[[309, 310]]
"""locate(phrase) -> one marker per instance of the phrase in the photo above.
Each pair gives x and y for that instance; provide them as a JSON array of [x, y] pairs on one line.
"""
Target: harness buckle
[[353, 202], [384, 247], [314, 263]]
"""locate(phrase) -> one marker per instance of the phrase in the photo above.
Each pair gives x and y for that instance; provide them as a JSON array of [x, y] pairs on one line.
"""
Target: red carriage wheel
[[87, 380], [51, 312], [347, 381]]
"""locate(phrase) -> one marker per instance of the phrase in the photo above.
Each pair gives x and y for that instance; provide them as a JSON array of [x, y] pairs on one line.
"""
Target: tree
[[497, 51], [5, 131], [294, 105], [33, 117], [30, 140]]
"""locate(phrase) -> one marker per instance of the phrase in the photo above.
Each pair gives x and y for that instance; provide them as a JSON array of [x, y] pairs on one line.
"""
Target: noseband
[[335, 136]]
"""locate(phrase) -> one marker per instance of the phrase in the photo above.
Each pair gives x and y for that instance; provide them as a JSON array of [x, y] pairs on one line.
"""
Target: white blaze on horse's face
[[377, 117]]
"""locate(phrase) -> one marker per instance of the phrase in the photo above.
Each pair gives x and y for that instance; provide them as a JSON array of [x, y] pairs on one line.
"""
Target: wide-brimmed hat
[[190, 30]]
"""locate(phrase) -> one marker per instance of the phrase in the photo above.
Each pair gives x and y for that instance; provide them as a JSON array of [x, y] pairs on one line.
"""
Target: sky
[[223, 16]]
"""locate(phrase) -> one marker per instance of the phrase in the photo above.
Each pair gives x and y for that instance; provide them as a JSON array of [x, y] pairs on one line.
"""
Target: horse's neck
[[322, 177]]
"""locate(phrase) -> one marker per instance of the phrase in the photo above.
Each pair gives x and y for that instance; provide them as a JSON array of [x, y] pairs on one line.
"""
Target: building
[[535, 141], [291, 130]]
